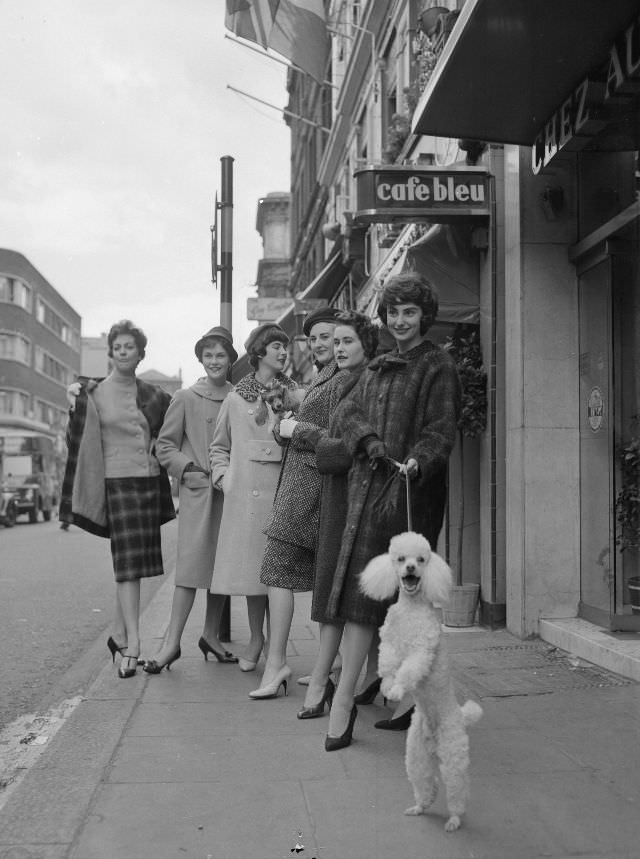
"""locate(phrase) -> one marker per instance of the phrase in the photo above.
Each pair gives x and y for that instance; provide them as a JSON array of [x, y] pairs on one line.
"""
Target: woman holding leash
[[113, 484], [245, 464], [292, 527], [183, 449], [403, 409]]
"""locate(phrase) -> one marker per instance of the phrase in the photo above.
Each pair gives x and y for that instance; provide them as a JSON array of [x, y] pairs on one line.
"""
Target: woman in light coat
[[245, 464], [183, 449]]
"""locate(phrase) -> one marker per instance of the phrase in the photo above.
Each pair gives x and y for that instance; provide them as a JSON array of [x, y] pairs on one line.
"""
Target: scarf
[[251, 389]]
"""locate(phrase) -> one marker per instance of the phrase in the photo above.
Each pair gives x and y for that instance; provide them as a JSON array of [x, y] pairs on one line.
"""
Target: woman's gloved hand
[[73, 391], [287, 426], [375, 451]]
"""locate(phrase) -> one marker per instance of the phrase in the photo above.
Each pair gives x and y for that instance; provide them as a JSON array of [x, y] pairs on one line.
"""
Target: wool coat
[[185, 437], [83, 498], [246, 459], [410, 402]]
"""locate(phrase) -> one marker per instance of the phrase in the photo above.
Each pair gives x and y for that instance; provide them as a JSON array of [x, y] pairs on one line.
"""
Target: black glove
[[375, 450], [191, 466]]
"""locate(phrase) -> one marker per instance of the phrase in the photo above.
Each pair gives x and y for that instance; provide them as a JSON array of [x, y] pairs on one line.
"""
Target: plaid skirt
[[133, 511]]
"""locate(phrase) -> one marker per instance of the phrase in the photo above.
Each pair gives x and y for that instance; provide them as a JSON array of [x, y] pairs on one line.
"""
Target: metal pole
[[225, 204]]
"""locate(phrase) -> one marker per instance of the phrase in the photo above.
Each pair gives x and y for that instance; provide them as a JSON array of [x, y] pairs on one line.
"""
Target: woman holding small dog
[[404, 408], [292, 528], [245, 464], [183, 449]]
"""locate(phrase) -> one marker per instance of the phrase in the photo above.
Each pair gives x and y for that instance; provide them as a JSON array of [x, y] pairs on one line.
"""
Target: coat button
[[255, 492], [380, 398], [209, 420], [267, 450], [364, 482], [249, 411]]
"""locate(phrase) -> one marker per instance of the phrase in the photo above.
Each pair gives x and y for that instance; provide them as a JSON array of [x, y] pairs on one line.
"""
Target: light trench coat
[[247, 459], [186, 434]]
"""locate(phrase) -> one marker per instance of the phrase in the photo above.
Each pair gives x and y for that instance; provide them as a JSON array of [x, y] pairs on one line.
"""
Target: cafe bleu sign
[[389, 193], [589, 108]]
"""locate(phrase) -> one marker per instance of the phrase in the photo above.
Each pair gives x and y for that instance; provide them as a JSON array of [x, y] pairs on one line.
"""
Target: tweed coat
[[246, 458], [83, 495], [185, 437], [411, 403], [294, 517]]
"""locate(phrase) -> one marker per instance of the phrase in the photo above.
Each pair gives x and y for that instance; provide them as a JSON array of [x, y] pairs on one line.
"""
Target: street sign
[[304, 306], [267, 309]]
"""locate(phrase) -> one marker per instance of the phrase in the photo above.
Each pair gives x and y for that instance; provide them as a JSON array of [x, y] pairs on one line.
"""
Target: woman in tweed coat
[[292, 527], [405, 406], [113, 484], [183, 449]]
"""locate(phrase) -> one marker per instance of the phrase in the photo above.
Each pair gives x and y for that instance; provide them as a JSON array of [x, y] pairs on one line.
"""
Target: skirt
[[285, 565], [133, 511]]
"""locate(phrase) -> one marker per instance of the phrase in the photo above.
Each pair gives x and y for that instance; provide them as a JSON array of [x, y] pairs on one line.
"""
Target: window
[[14, 347], [49, 366], [15, 291], [54, 322], [14, 403]]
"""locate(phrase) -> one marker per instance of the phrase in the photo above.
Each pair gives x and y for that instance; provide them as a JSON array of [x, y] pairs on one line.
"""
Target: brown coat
[[185, 437], [411, 403]]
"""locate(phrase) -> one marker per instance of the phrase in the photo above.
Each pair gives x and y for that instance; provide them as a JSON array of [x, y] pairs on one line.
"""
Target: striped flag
[[294, 28]]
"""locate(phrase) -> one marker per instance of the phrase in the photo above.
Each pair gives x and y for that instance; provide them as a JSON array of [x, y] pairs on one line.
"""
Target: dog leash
[[402, 469]]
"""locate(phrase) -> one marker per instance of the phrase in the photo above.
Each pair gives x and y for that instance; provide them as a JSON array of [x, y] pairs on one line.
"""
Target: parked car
[[31, 498], [8, 510]]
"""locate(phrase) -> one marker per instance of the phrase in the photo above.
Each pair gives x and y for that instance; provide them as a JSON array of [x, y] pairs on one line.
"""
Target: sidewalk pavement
[[184, 764]]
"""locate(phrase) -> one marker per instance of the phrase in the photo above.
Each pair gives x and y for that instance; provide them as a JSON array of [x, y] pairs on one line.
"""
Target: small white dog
[[413, 660]]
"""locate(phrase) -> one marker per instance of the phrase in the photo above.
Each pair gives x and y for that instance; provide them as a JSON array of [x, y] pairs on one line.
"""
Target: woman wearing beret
[[113, 484], [245, 463], [183, 449], [292, 528], [404, 407]]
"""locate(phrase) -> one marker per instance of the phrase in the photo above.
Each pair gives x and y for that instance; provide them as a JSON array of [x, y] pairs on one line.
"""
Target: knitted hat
[[322, 314], [220, 333], [264, 334]]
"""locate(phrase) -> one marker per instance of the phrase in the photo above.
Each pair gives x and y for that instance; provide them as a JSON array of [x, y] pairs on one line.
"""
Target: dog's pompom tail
[[471, 712], [378, 579]]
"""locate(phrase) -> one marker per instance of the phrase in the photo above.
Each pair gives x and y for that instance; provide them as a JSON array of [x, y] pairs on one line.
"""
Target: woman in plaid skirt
[[113, 484]]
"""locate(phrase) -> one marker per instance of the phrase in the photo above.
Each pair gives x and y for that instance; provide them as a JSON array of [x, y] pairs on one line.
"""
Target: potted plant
[[464, 347], [628, 505]]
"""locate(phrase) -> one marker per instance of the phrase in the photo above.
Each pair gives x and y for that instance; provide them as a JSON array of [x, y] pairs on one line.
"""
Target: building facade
[[39, 355]]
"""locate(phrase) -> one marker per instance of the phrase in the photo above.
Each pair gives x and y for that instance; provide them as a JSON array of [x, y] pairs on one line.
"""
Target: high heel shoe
[[318, 709], [123, 672], [332, 744], [271, 689], [400, 723], [220, 655], [114, 648], [152, 667], [367, 696]]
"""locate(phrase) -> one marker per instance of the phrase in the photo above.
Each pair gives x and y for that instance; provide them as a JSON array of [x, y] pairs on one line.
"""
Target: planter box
[[461, 610]]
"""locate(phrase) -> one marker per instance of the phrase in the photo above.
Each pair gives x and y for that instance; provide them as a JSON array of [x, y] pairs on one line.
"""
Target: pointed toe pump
[[400, 723], [332, 744], [368, 695], [318, 709], [153, 667], [220, 655], [271, 690]]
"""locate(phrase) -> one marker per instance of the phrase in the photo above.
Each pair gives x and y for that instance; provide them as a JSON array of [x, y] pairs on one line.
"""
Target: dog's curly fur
[[275, 402], [413, 660]]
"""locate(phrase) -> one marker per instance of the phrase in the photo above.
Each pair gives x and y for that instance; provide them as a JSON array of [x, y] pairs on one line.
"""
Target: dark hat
[[322, 314], [222, 334], [264, 334]]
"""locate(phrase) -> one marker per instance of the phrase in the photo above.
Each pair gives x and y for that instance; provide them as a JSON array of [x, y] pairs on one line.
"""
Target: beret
[[322, 314], [221, 333]]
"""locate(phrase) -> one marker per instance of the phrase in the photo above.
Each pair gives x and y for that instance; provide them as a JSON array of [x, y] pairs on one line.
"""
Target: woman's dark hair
[[410, 288], [259, 348], [126, 326], [365, 329]]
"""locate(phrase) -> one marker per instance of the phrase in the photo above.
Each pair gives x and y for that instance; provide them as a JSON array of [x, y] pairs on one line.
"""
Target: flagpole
[[278, 60], [280, 109]]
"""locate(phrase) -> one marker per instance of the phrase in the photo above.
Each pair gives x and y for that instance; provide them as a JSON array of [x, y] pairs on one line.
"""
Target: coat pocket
[[263, 451], [196, 480]]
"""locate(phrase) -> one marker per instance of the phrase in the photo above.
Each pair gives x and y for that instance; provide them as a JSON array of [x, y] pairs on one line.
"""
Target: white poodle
[[413, 660]]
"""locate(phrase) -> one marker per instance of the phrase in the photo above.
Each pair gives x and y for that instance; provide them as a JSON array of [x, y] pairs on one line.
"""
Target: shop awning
[[508, 64]]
